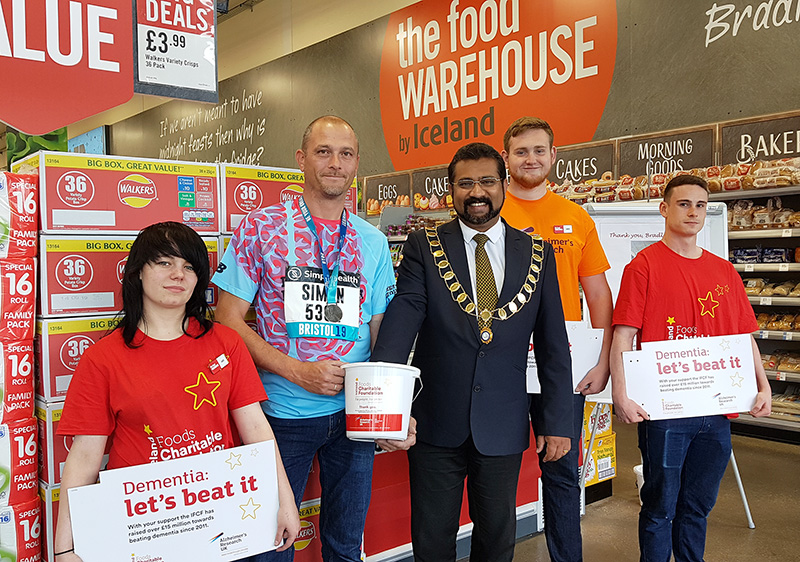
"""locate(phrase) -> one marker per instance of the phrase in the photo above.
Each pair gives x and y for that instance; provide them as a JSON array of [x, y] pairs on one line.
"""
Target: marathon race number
[[305, 301]]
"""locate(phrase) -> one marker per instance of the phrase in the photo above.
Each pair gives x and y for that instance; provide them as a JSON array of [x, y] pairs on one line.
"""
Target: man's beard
[[470, 219]]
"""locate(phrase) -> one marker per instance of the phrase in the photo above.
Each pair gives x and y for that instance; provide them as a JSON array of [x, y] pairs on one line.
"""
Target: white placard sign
[[692, 377], [216, 506], [585, 344]]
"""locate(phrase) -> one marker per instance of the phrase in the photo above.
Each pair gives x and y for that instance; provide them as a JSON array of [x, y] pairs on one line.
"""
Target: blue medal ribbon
[[331, 277]]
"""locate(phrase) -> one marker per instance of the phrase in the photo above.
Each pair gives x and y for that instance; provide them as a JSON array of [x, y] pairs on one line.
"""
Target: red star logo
[[720, 290], [203, 391], [708, 304]]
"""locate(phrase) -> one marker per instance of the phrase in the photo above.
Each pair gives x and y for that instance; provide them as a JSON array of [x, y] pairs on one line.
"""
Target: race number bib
[[305, 300]]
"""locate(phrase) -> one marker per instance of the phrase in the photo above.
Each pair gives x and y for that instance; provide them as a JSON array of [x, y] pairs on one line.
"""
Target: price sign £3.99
[[176, 48]]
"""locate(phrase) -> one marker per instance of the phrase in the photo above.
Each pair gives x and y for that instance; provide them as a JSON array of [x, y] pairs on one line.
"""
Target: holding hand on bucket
[[472, 292], [319, 278]]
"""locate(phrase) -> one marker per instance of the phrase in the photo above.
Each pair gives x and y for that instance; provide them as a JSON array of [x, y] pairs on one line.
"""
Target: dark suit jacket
[[469, 388]]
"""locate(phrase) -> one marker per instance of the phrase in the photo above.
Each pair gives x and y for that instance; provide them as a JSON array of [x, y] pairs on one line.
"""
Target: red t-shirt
[[668, 296], [164, 399]]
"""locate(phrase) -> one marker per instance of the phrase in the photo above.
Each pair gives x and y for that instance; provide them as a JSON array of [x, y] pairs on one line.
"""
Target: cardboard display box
[[603, 464], [115, 195], [49, 496], [16, 378], [600, 411], [60, 344], [83, 275], [247, 188]]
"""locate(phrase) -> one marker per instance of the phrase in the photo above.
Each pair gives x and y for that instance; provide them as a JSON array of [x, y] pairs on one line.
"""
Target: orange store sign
[[459, 71], [62, 61]]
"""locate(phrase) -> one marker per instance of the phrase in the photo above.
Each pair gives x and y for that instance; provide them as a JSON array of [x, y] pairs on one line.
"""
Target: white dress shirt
[[495, 249]]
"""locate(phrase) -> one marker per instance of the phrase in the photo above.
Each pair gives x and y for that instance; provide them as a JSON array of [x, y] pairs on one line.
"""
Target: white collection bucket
[[378, 400]]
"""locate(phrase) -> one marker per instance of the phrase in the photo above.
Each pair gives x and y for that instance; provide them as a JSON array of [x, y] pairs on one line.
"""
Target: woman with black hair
[[166, 382]]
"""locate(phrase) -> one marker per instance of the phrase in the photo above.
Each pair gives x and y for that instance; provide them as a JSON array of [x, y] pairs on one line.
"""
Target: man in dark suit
[[473, 290]]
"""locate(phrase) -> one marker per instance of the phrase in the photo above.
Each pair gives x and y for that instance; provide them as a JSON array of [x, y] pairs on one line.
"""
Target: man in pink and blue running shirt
[[320, 279]]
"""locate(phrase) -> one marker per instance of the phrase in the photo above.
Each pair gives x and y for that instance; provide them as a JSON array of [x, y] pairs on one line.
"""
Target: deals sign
[[63, 61], [461, 71], [176, 49], [216, 506]]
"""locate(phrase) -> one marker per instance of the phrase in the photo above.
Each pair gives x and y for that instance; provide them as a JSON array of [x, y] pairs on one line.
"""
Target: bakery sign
[[665, 153], [579, 163], [459, 71], [63, 62], [387, 190]]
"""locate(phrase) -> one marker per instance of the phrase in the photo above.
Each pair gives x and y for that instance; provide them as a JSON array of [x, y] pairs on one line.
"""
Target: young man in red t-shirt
[[674, 289]]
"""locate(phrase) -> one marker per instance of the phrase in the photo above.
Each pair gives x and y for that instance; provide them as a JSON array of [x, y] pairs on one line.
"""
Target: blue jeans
[[684, 461], [345, 473], [561, 492]]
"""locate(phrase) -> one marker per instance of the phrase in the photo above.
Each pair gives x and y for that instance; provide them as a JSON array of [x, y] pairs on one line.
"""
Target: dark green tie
[[485, 287]]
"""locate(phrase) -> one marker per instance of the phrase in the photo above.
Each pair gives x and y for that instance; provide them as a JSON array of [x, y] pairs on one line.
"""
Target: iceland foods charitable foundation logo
[[366, 389], [459, 70], [136, 191]]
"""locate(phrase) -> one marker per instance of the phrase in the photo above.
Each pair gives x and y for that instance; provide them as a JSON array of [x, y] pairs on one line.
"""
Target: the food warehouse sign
[[62, 61]]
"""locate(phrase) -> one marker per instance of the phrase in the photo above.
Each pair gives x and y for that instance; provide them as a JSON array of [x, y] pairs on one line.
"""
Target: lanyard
[[331, 278]]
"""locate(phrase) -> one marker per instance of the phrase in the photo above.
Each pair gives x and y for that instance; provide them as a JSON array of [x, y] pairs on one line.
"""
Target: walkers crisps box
[[603, 464], [115, 195], [60, 344], [82, 275], [247, 188], [50, 496]]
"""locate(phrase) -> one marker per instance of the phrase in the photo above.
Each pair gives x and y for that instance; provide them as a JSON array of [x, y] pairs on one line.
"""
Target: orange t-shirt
[[571, 231]]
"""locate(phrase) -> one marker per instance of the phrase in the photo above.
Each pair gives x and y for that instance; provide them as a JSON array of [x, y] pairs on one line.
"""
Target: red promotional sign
[[63, 61], [461, 71]]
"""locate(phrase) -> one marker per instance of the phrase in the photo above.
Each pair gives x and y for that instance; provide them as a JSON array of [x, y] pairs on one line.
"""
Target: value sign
[[63, 62]]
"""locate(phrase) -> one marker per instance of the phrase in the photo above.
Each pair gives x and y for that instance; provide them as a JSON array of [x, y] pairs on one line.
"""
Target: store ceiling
[[234, 7]]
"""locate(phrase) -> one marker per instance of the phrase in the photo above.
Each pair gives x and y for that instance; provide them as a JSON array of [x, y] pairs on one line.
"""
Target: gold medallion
[[485, 315], [461, 298], [512, 306], [438, 253], [486, 335], [470, 308], [444, 263], [522, 298], [502, 314], [537, 257]]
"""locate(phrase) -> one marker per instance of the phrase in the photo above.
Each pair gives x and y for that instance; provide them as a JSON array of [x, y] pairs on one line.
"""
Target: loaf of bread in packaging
[[781, 322], [727, 171], [748, 182], [731, 183], [714, 185], [784, 289], [774, 171], [754, 285], [771, 181]]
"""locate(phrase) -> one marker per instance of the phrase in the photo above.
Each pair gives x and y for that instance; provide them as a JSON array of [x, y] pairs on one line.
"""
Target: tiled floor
[[771, 475]]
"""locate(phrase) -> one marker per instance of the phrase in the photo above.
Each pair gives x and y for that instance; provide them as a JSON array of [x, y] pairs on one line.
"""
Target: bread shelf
[[766, 267], [776, 335], [764, 233], [774, 301], [753, 193], [774, 423], [783, 376]]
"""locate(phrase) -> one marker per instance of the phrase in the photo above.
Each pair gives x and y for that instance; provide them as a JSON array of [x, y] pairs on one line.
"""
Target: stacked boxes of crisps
[[19, 504], [92, 207]]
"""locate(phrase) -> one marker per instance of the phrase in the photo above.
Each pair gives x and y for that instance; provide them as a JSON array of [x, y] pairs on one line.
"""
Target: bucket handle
[[420, 389]]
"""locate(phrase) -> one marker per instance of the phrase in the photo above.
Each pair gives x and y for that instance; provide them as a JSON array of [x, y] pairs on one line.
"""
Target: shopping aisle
[[769, 471]]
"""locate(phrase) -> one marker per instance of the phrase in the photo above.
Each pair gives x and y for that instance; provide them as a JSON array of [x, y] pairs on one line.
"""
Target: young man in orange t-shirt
[[529, 154]]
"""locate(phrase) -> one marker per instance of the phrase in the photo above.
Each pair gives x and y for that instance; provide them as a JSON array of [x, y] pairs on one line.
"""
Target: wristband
[[65, 551]]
